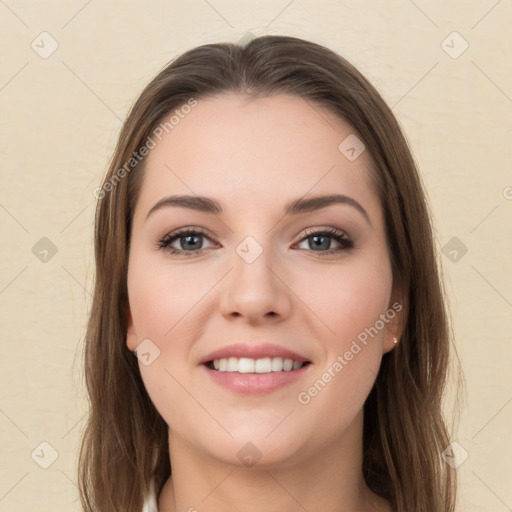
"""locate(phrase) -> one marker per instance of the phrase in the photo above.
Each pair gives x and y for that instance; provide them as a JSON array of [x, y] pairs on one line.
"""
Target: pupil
[[189, 238], [326, 244]]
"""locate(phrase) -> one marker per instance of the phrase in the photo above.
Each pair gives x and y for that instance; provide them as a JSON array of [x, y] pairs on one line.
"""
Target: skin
[[253, 157]]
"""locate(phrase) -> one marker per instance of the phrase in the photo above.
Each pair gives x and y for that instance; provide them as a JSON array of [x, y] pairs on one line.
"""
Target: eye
[[321, 239], [189, 241]]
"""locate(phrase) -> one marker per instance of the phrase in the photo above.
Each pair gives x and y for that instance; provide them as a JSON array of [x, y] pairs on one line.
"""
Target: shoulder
[[150, 505]]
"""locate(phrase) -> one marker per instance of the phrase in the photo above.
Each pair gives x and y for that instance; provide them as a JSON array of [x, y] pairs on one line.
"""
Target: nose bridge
[[254, 289]]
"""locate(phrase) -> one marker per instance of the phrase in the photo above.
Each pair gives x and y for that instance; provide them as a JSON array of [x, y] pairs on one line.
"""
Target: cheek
[[164, 302], [347, 299], [162, 296], [350, 303], [161, 302], [168, 389]]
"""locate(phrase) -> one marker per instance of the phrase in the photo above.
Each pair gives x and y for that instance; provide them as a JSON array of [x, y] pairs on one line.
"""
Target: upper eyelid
[[182, 231]]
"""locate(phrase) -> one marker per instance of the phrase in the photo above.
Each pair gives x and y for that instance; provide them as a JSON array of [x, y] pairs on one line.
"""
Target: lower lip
[[255, 383]]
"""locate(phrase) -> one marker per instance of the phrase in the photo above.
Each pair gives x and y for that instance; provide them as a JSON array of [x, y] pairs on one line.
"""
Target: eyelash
[[345, 242]]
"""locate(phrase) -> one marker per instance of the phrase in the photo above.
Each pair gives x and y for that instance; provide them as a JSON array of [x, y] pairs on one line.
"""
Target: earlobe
[[394, 329], [389, 343]]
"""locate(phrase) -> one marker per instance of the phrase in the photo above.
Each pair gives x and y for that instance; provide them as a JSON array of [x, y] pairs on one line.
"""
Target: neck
[[332, 479]]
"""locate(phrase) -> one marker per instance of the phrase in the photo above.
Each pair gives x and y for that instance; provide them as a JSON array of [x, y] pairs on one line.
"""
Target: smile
[[246, 376], [262, 365]]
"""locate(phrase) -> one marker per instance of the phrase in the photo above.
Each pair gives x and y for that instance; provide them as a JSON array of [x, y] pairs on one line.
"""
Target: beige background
[[60, 116]]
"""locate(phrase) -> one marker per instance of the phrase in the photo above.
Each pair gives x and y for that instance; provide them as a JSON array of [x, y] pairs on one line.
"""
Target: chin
[[260, 444]]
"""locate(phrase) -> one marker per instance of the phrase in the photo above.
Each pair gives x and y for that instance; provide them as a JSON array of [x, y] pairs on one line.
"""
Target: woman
[[268, 329]]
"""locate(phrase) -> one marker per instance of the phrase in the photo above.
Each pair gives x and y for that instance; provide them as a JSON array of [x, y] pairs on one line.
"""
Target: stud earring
[[395, 341]]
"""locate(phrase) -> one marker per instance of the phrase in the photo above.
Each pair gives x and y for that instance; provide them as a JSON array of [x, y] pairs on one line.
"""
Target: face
[[248, 285]]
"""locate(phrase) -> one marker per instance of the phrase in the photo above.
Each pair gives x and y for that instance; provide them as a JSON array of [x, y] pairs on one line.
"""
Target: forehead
[[247, 151]]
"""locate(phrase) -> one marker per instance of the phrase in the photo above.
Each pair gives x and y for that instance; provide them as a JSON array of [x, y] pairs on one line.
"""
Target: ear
[[396, 315], [131, 337]]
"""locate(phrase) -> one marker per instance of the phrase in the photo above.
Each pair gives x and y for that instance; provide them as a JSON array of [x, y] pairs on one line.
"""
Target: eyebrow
[[297, 206]]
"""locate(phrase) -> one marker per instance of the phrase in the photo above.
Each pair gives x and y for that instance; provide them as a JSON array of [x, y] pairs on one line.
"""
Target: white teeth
[[287, 365], [277, 364], [263, 365], [245, 365], [232, 364]]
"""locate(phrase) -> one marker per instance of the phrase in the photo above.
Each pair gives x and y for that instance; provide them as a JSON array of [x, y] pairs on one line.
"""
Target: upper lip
[[252, 351]]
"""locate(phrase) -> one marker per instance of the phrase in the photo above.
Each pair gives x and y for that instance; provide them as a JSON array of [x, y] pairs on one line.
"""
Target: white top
[[150, 505]]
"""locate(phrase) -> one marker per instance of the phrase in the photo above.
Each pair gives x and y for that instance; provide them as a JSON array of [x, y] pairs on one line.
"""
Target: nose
[[256, 290]]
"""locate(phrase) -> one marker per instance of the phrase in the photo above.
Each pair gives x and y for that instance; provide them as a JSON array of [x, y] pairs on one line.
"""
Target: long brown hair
[[125, 443]]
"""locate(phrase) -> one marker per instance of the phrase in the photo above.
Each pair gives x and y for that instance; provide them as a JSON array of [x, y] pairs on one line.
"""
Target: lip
[[253, 351], [254, 383]]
